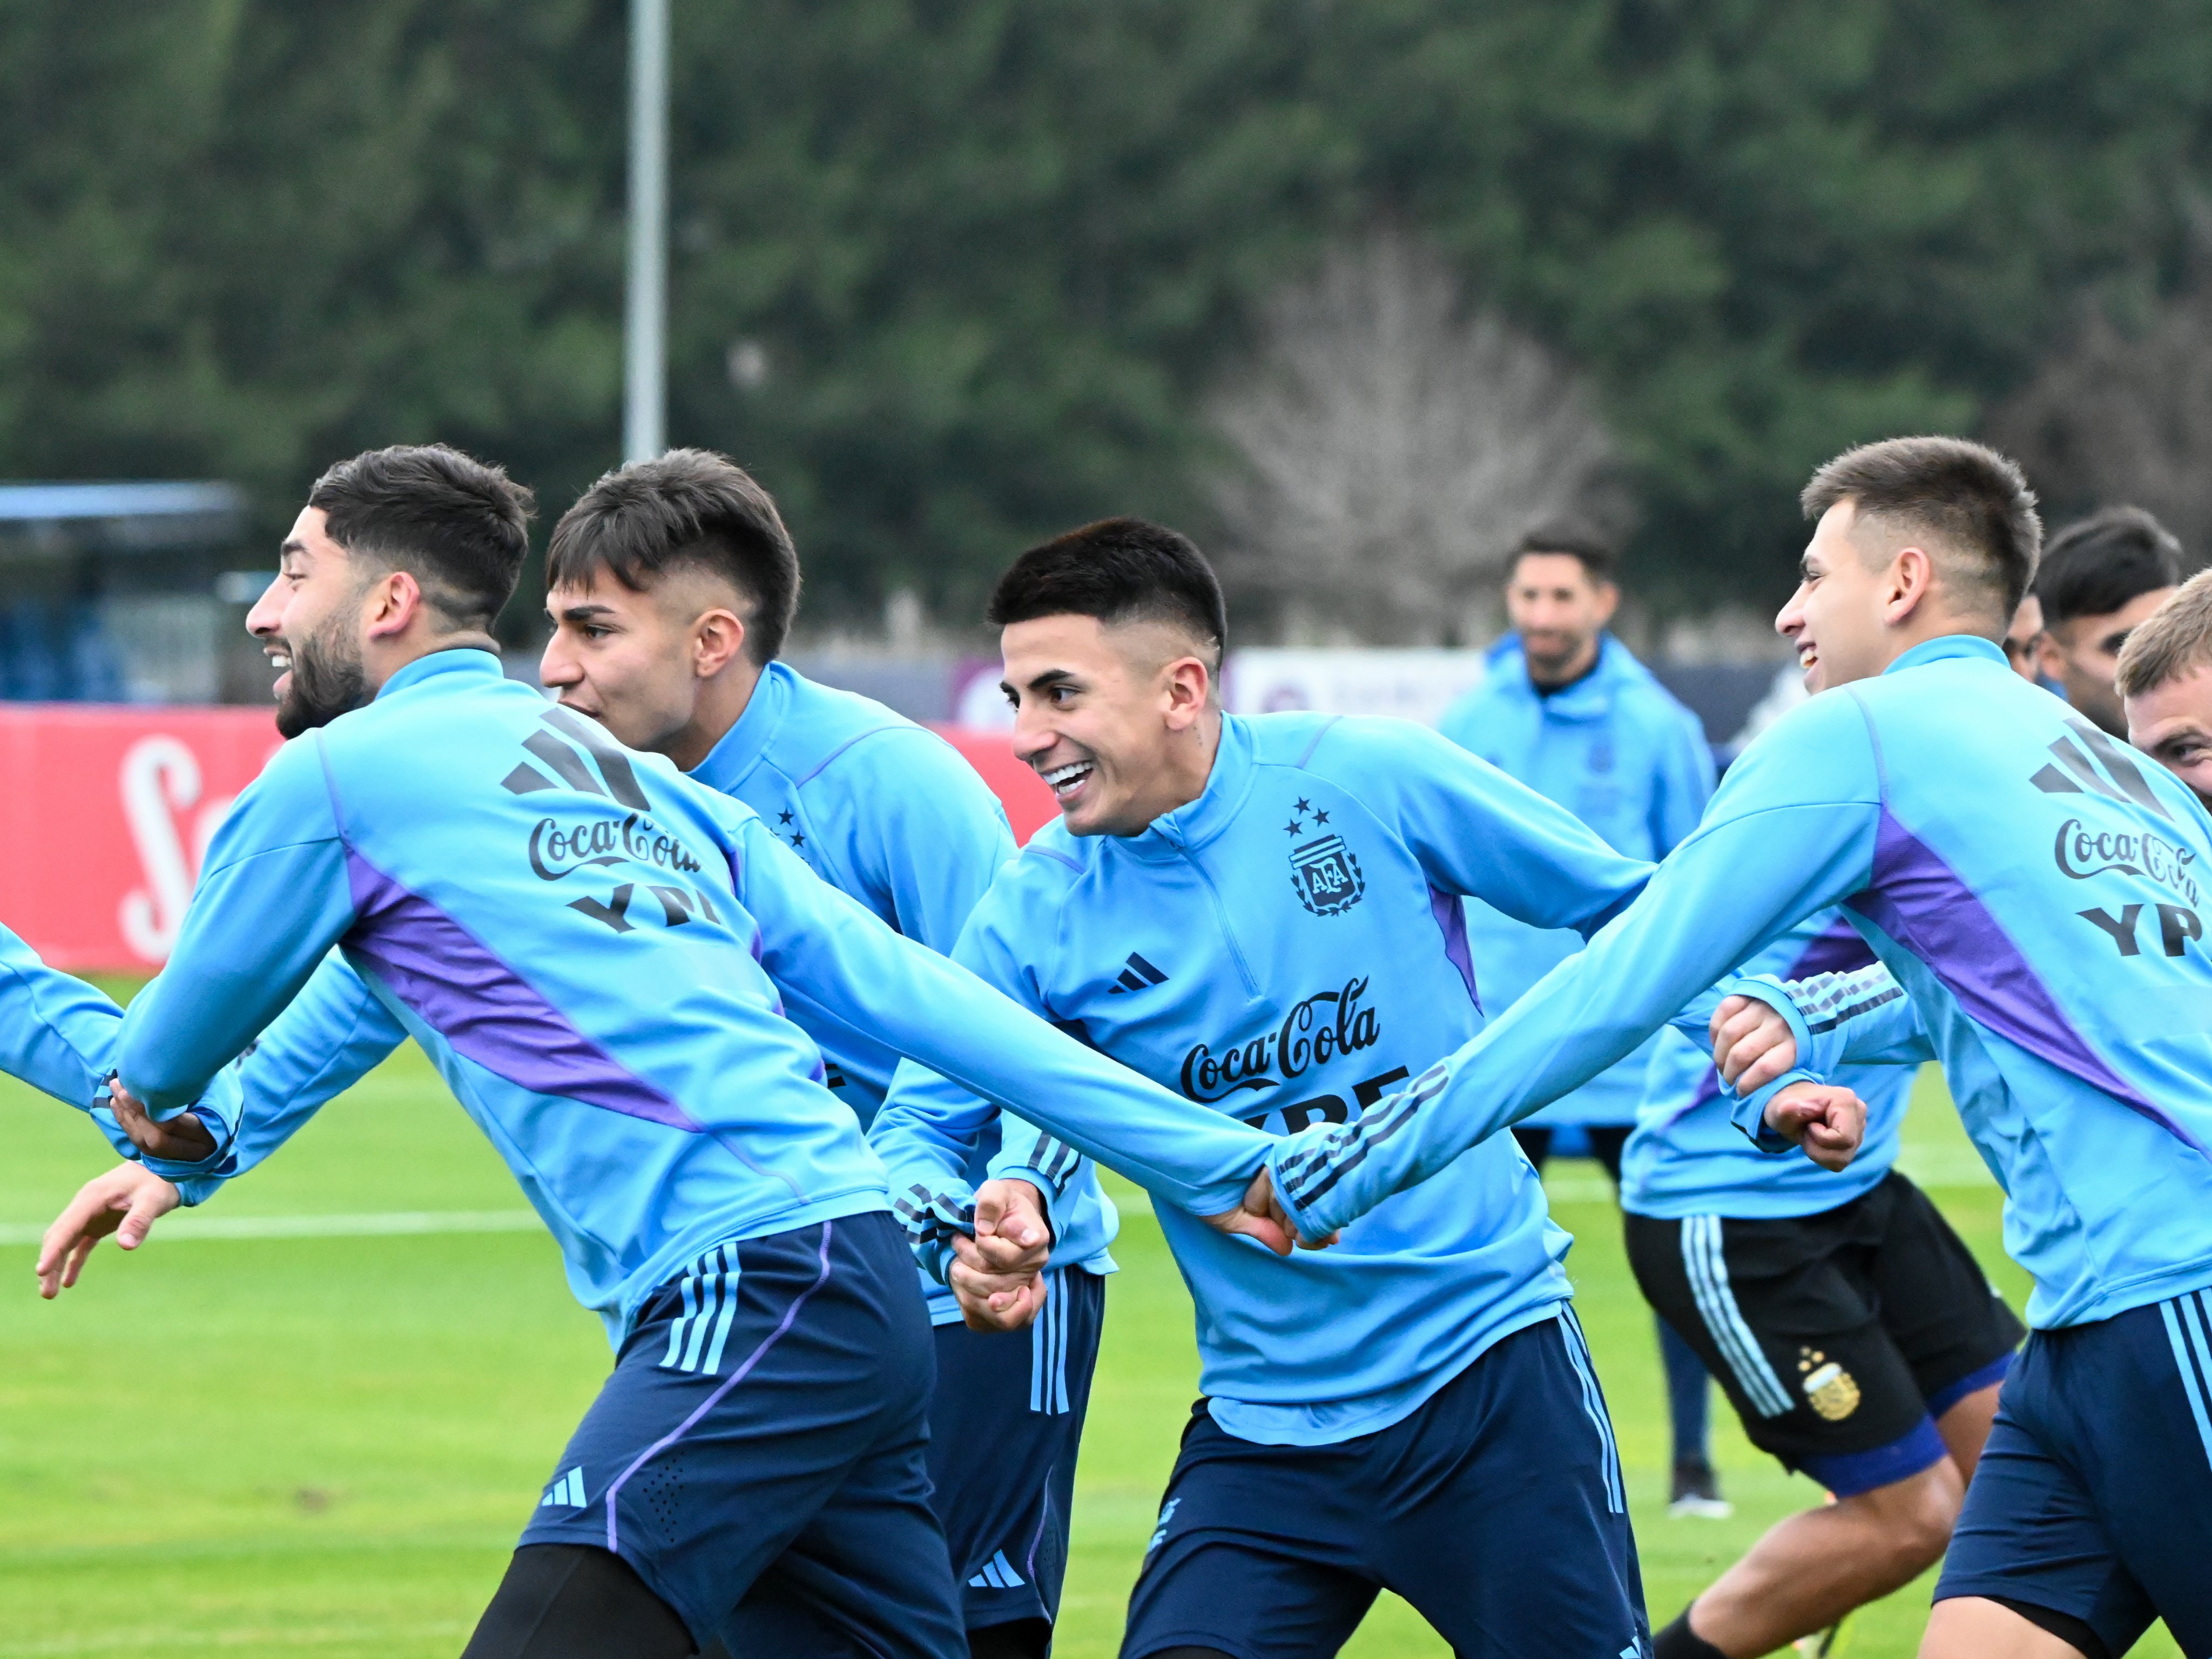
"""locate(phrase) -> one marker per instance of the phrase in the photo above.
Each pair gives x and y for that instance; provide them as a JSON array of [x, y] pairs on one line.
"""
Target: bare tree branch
[[1391, 448]]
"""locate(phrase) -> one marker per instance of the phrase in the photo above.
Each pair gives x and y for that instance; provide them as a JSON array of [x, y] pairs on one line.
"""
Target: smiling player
[[1265, 915], [1942, 801], [671, 585]]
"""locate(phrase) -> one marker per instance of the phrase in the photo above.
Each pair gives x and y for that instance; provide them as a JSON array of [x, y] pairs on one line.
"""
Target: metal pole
[[644, 330]]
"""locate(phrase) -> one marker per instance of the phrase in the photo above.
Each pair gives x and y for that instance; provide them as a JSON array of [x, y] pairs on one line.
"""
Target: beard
[[327, 680]]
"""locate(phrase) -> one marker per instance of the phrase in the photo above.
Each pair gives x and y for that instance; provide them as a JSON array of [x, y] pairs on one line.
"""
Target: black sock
[[1679, 1641], [572, 1601]]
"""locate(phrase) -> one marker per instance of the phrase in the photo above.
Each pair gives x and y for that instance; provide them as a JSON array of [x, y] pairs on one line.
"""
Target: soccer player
[[1855, 1334], [2099, 577], [1264, 913], [2165, 679], [1567, 709], [595, 952], [2036, 891], [671, 586]]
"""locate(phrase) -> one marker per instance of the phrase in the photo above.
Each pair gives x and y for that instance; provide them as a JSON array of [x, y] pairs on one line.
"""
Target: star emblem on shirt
[[1303, 816], [783, 817]]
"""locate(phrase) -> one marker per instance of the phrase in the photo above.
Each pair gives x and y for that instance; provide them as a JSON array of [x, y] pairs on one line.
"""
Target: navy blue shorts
[[759, 1455], [2094, 1497], [1496, 1510], [1003, 1432], [1840, 1337]]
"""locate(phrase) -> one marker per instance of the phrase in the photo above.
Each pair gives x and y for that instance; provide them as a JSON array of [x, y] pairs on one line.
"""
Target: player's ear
[[717, 638], [390, 604], [1609, 601], [1906, 583], [1188, 684]]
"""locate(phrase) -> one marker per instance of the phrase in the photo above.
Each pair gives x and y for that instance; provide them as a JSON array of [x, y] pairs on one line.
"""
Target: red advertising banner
[[106, 811]]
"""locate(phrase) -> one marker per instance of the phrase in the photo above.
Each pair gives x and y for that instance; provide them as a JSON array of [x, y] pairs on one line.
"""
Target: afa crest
[[1326, 873], [1833, 1391]]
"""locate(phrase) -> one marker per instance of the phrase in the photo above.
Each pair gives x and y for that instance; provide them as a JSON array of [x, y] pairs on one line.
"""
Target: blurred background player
[[671, 585], [2165, 679], [1264, 913], [1567, 709], [2099, 577], [1765, 1261]]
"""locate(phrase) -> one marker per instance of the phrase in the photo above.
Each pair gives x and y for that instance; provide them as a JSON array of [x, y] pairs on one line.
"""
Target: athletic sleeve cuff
[[1750, 1112]]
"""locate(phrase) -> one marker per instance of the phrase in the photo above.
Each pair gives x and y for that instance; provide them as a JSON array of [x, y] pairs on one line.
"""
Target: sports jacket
[[1617, 750], [2036, 887], [598, 955], [1288, 949]]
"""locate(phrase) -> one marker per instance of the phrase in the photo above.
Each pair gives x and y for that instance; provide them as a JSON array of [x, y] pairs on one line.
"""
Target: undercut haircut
[[689, 510], [2174, 641], [1118, 571], [2104, 562], [458, 526], [1575, 541], [1971, 501]]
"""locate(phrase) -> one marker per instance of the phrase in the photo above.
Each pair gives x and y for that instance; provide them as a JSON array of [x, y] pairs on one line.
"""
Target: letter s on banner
[[159, 780]]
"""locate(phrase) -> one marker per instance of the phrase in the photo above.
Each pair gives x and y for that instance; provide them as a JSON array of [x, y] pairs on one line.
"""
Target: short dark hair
[[460, 527], [1119, 571], [2096, 565], [1965, 494], [1575, 541], [690, 508]]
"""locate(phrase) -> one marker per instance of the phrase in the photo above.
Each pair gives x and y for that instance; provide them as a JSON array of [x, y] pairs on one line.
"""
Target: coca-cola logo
[[558, 849], [1313, 1033], [2083, 851]]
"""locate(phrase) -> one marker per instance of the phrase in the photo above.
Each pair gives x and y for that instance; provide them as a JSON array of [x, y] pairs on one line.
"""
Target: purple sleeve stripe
[[1451, 917], [462, 990], [1919, 901]]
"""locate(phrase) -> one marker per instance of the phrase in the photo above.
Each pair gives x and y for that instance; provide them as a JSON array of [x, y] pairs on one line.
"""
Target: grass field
[[324, 1445]]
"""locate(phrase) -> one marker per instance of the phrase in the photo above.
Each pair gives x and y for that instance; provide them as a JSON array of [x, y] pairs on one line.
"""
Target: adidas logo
[[567, 1492], [1138, 974], [2071, 773], [998, 1574]]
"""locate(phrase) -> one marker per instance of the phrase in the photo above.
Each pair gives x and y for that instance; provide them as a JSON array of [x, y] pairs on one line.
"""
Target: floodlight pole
[[645, 322]]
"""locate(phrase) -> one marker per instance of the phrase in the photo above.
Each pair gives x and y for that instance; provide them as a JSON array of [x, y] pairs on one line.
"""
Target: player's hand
[[1260, 1215], [126, 1201], [1827, 1121], [1753, 1044], [998, 1276], [181, 1140]]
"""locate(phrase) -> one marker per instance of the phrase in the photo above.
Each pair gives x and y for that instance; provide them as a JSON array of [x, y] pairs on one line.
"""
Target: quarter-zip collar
[[462, 664], [729, 761], [1192, 825], [1945, 648]]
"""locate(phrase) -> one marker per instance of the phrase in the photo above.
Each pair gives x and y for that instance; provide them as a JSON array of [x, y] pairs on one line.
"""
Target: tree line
[[952, 274]]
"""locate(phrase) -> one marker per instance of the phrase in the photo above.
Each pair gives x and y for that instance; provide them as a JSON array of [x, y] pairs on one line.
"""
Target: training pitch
[[316, 1427]]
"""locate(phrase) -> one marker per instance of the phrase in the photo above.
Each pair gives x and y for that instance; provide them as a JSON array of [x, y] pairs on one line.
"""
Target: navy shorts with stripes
[[759, 1455], [1840, 1337], [1495, 1508], [2094, 1497], [1003, 1434]]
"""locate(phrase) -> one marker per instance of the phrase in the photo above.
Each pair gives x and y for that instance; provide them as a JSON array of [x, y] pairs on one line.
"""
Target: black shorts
[[1839, 1337]]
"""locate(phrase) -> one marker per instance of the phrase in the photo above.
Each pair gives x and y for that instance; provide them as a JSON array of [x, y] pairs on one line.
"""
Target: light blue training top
[[1288, 949], [1617, 750], [887, 812], [598, 955], [1688, 1158], [2035, 887]]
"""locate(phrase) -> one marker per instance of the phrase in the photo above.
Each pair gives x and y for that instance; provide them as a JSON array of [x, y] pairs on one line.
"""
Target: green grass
[[326, 1446]]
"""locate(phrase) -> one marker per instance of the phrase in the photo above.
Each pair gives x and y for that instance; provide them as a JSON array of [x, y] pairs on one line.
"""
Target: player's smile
[[1066, 780]]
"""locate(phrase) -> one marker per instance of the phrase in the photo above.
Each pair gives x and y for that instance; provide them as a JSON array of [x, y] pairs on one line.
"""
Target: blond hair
[[2175, 640]]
